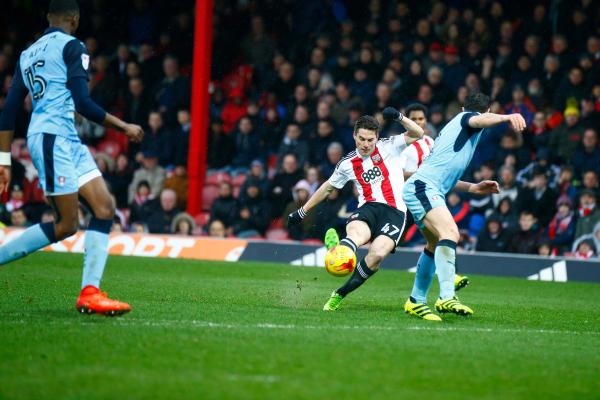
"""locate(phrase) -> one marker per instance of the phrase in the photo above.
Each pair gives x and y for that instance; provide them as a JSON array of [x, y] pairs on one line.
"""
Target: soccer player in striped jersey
[[425, 194], [54, 72], [413, 157], [375, 169]]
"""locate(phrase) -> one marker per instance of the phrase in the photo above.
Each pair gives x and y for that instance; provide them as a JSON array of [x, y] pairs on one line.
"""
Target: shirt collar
[[52, 29]]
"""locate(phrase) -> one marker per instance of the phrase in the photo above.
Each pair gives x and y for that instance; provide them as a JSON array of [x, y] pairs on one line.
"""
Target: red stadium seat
[[277, 234], [110, 147], [312, 241], [239, 180], [202, 218], [277, 223], [209, 194], [217, 178]]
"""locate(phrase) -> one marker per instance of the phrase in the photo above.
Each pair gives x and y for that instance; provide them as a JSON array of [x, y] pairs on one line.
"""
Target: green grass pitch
[[206, 330]]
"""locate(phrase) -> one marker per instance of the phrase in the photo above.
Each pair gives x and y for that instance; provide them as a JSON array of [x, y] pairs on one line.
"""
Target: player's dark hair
[[367, 122], [478, 102], [63, 7], [415, 107]]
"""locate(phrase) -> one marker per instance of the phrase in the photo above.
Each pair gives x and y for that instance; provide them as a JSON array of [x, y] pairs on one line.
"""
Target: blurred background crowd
[[289, 78]]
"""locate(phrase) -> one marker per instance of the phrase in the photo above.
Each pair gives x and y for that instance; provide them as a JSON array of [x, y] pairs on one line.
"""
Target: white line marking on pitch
[[268, 325]]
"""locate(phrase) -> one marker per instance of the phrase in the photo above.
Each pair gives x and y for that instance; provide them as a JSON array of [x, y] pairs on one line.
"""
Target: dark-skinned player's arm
[[413, 131], [14, 101], [318, 196], [90, 110]]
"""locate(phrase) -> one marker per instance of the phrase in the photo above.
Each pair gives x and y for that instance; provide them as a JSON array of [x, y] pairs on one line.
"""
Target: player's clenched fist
[[517, 122], [135, 133], [296, 217]]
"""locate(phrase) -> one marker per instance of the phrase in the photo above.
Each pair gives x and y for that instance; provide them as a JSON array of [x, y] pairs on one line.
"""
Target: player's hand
[[517, 122], [296, 217], [134, 132], [485, 187], [391, 114], [4, 178]]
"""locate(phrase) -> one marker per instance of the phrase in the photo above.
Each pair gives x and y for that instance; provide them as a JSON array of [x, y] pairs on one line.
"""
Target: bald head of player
[[64, 14], [366, 133]]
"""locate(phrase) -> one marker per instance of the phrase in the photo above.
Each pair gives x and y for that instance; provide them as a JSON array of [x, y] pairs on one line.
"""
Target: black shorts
[[382, 220]]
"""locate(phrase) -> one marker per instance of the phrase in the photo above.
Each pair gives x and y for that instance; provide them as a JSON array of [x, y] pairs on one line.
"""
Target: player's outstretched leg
[[358, 233], [439, 221], [417, 302], [34, 238], [91, 300]]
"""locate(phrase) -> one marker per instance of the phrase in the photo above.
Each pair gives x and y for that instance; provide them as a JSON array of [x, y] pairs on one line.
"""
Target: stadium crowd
[[289, 81]]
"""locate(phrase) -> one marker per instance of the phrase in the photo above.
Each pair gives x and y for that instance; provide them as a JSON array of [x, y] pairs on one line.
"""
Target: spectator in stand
[[245, 140], [525, 176], [539, 131], [183, 224], [587, 156], [335, 151], [507, 214], [565, 182], [18, 218], [254, 214], [590, 182], [159, 140], [493, 237], [258, 47], [118, 180], [511, 144], [585, 250], [588, 213], [16, 199], [137, 206], [173, 92], [538, 198], [216, 229], [103, 84], [561, 230], [256, 176], [161, 212], [178, 182], [525, 240], [292, 144], [138, 103], [225, 207], [235, 108], [508, 186], [301, 193], [319, 145], [459, 209], [572, 89], [566, 137], [285, 83], [551, 74], [521, 104], [220, 146], [182, 137], [149, 171], [280, 189]]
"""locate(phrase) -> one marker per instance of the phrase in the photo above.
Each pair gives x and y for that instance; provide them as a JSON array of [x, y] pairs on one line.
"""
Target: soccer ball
[[340, 261]]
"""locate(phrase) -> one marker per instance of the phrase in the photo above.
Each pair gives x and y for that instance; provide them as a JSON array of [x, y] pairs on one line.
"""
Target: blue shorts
[[63, 164], [420, 198]]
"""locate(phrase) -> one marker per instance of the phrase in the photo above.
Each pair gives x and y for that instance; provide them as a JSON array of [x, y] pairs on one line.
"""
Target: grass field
[[203, 330]]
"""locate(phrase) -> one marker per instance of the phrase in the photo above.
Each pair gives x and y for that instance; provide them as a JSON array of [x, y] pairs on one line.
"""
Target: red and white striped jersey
[[414, 155], [378, 177]]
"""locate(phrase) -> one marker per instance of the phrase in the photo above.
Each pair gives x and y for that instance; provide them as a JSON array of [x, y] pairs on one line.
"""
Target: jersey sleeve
[[398, 142], [464, 122], [77, 60], [339, 177], [16, 94], [410, 159]]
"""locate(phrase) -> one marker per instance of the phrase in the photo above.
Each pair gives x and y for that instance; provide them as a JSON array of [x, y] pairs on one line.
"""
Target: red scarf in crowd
[[559, 224]]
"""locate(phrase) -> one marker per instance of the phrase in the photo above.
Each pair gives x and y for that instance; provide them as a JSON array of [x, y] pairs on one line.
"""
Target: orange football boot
[[92, 301]]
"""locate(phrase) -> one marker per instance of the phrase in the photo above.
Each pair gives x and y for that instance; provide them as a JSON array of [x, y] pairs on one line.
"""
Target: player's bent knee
[[65, 229], [107, 211]]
